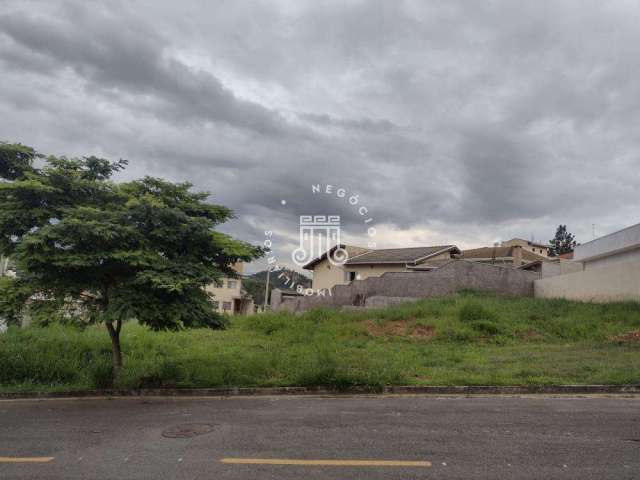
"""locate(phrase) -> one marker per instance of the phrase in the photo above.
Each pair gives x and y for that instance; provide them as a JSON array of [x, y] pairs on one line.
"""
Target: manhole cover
[[187, 430]]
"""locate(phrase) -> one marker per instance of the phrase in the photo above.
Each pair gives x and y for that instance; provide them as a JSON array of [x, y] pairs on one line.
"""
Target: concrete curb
[[322, 391]]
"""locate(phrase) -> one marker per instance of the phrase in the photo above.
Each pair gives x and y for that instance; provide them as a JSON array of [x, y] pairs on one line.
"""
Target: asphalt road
[[322, 438]]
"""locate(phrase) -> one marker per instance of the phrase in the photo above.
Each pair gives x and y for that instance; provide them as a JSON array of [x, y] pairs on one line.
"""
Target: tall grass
[[463, 339]]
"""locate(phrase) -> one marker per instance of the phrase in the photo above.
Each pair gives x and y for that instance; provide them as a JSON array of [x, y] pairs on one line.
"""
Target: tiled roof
[[499, 252], [487, 252], [399, 255], [530, 242], [351, 250], [431, 265]]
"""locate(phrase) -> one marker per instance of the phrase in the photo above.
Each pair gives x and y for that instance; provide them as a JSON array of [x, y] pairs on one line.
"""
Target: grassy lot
[[467, 339]]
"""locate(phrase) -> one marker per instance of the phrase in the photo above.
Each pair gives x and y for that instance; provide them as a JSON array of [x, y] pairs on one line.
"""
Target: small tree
[[142, 249], [563, 242]]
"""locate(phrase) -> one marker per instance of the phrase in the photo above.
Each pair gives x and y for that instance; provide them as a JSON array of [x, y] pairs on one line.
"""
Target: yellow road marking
[[328, 463], [25, 459]]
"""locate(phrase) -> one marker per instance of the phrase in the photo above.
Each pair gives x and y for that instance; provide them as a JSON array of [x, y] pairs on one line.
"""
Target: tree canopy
[[140, 249], [563, 242]]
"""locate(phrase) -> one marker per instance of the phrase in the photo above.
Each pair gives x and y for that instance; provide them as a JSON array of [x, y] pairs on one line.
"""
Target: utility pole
[[4, 264], [266, 290], [594, 230]]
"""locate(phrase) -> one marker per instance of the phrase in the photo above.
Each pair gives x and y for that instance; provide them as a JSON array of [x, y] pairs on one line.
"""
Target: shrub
[[487, 327], [458, 334], [268, 323], [474, 311], [101, 373]]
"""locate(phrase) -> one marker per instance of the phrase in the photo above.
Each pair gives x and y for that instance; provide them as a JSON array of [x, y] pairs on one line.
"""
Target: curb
[[322, 391]]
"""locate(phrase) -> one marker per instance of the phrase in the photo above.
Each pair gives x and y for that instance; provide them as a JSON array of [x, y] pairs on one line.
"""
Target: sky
[[452, 122]]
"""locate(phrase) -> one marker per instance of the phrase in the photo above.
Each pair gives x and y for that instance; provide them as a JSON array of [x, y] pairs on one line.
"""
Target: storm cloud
[[454, 122]]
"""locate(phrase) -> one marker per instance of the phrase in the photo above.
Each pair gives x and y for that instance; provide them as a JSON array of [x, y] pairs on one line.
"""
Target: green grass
[[467, 339]]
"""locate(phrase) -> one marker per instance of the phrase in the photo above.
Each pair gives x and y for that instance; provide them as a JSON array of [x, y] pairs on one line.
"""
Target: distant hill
[[284, 279], [279, 279]]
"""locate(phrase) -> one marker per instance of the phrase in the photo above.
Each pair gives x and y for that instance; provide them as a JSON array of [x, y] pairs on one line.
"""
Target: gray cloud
[[463, 122], [120, 53]]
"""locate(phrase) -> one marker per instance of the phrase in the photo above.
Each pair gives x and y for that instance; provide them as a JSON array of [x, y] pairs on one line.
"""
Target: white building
[[603, 270], [617, 247]]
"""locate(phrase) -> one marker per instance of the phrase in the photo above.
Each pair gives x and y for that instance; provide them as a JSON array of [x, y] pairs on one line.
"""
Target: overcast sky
[[454, 122]]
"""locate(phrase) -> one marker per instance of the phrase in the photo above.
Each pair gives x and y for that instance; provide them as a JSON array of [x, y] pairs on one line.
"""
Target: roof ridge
[[409, 248], [400, 255]]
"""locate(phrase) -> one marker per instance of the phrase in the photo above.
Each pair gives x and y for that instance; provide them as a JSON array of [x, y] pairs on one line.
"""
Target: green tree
[[563, 242], [142, 249]]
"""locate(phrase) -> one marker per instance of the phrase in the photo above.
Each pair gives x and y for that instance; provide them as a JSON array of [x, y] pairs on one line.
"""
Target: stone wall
[[450, 278]]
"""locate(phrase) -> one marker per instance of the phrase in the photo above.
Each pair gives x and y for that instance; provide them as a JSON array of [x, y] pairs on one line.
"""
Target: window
[[349, 276], [232, 283], [226, 306], [216, 305]]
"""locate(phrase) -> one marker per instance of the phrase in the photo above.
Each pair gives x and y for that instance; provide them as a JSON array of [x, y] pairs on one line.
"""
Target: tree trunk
[[116, 353]]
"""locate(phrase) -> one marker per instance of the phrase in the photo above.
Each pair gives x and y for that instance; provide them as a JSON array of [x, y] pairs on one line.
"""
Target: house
[[602, 270], [364, 263], [228, 295], [505, 255], [541, 249]]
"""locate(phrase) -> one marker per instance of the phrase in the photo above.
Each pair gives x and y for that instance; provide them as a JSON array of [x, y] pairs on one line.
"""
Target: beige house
[[509, 256], [540, 249], [364, 263], [228, 295]]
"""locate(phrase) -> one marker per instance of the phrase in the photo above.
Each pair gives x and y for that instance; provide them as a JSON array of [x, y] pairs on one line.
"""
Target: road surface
[[364, 437]]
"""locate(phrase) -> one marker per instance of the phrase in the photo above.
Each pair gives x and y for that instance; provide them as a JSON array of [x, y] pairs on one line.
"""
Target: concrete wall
[[616, 258], [560, 267], [454, 276], [605, 284]]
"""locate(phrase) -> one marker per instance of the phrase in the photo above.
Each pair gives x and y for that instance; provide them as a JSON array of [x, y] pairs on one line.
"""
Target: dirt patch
[[395, 328], [531, 335], [632, 336], [399, 328], [424, 332]]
